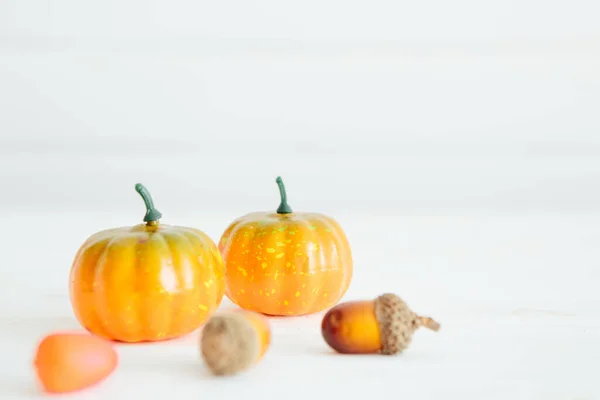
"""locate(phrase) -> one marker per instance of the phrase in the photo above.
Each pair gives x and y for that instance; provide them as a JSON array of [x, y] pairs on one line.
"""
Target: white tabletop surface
[[516, 297]]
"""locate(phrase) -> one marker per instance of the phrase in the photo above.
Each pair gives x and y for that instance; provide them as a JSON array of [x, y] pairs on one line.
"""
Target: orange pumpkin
[[146, 282], [286, 263]]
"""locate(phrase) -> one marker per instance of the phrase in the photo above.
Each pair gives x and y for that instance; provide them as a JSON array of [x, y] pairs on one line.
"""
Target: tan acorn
[[232, 342], [384, 325]]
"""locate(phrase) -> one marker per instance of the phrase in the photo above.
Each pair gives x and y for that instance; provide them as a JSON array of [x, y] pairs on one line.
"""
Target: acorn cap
[[397, 323], [229, 344]]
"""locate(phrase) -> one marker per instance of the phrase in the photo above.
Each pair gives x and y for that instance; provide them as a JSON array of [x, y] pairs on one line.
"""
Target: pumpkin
[[146, 282], [285, 262]]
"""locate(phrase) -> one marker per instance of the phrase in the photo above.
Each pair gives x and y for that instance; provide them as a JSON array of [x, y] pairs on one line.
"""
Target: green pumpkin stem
[[152, 214], [284, 207]]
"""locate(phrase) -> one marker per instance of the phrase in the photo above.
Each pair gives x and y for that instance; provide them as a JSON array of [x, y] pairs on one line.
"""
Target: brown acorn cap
[[229, 344], [397, 323]]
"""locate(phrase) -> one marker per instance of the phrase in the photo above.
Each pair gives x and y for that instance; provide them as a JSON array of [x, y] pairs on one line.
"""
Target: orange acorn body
[[232, 342], [70, 362], [286, 263], [384, 325], [146, 282]]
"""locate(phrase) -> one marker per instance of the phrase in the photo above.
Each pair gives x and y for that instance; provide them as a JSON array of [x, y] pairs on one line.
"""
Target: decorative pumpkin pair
[[152, 281]]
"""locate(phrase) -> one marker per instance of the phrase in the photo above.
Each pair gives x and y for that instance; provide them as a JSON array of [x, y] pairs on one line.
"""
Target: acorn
[[384, 325], [234, 341]]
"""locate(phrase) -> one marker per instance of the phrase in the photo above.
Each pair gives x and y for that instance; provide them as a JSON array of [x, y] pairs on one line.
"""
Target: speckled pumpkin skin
[[146, 282], [286, 264]]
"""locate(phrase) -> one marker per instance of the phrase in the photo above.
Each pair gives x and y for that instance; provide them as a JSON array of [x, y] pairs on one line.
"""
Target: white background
[[456, 142]]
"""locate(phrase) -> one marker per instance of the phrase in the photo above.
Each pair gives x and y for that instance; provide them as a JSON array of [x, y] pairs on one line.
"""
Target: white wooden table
[[516, 297]]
